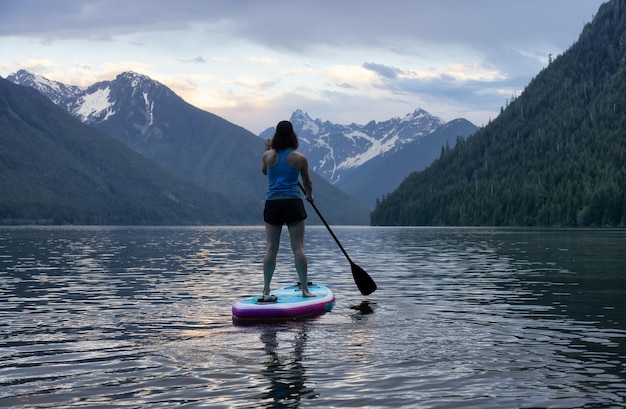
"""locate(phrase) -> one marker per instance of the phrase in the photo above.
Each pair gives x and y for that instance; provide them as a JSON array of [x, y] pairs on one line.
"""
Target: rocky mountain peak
[[333, 149]]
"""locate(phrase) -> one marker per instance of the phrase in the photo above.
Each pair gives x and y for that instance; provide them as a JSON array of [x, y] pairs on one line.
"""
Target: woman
[[283, 202]]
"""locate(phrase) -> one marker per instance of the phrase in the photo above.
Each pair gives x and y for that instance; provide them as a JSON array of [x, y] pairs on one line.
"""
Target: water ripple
[[463, 318]]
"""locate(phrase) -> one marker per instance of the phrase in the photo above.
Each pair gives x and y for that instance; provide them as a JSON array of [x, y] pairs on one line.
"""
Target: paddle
[[362, 280]]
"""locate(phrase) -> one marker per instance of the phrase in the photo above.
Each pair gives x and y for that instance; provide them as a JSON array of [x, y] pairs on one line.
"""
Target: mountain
[[55, 91], [152, 120], [383, 173], [56, 170], [366, 161], [334, 149], [194, 144], [555, 156]]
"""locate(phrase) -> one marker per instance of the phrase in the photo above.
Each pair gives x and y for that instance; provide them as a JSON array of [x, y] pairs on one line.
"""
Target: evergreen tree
[[555, 156]]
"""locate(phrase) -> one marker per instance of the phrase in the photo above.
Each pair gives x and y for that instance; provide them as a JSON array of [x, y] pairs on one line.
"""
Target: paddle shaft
[[362, 280], [345, 253]]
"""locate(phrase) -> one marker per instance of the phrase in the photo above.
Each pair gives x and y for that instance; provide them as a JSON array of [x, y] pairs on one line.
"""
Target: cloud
[[97, 20], [350, 75], [355, 22], [251, 82], [471, 72], [262, 60], [348, 60], [37, 65], [195, 60], [461, 83], [382, 70], [85, 75], [221, 60]]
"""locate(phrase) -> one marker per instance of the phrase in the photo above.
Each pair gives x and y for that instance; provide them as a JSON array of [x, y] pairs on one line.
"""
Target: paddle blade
[[363, 281]]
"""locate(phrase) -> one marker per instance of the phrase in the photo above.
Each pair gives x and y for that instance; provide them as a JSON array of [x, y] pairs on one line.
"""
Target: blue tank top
[[282, 178]]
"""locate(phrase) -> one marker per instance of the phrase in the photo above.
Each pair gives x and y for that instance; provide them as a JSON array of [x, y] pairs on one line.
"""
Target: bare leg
[[296, 236], [272, 232]]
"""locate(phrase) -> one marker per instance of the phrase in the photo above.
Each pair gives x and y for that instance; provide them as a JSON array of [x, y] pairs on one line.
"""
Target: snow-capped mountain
[[129, 96], [129, 91], [197, 145], [152, 120], [369, 161], [362, 160], [57, 92], [334, 149], [130, 107], [382, 175]]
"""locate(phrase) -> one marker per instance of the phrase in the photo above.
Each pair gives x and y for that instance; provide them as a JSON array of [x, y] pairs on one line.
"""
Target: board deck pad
[[289, 305]]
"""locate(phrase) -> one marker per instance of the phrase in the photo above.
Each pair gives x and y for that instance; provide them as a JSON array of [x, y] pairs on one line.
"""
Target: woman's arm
[[264, 167], [266, 155], [306, 179]]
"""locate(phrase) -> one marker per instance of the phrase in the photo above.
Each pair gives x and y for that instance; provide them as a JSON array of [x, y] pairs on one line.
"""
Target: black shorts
[[284, 211]]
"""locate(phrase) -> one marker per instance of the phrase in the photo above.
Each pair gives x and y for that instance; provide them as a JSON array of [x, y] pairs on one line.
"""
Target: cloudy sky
[[254, 62]]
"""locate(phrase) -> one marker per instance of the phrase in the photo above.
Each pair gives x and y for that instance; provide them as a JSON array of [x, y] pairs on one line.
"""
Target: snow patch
[[43, 83], [93, 105], [149, 107], [378, 147]]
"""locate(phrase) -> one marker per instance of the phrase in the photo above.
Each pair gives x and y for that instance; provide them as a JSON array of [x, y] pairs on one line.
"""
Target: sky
[[254, 62]]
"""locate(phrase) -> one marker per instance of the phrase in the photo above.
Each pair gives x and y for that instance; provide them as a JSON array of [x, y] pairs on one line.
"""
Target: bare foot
[[308, 294]]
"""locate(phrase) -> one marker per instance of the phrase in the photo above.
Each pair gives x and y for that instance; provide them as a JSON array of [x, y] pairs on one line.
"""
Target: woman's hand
[[268, 144]]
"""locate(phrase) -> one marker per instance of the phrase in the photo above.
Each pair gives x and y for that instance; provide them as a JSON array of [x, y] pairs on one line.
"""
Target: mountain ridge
[[378, 177], [56, 170], [187, 141], [366, 160], [334, 148]]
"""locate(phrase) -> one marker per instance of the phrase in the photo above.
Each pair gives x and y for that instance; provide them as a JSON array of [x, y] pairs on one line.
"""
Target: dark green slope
[[556, 156], [54, 169], [207, 150], [194, 144], [221, 156]]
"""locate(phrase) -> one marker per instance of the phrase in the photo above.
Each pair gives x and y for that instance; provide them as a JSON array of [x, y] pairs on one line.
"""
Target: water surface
[[463, 318]]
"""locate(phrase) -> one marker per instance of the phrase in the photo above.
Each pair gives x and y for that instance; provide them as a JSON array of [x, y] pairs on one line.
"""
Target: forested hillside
[[55, 170], [197, 146], [555, 156]]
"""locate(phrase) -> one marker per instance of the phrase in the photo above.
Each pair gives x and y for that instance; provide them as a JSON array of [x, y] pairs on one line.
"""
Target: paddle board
[[289, 305]]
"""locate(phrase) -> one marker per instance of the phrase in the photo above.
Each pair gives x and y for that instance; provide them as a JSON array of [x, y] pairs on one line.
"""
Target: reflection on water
[[285, 370], [478, 318], [364, 308]]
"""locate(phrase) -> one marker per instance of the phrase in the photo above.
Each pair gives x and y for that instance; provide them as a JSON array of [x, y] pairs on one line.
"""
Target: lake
[[140, 317]]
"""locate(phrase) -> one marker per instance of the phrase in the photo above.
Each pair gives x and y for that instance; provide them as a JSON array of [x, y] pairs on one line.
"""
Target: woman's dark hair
[[284, 137]]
